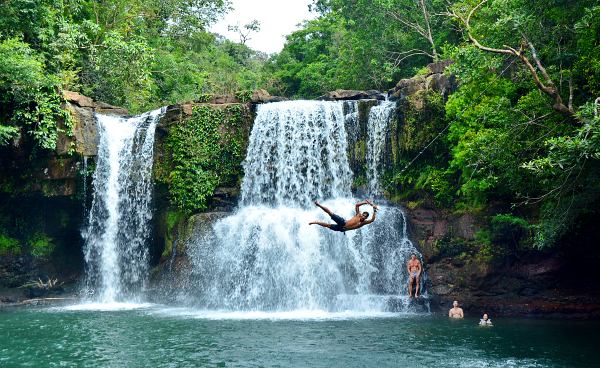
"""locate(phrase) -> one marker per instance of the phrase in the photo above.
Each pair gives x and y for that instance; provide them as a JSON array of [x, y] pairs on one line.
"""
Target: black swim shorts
[[339, 223]]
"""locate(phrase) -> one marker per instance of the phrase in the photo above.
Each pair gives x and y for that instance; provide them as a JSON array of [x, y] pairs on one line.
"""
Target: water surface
[[152, 335]]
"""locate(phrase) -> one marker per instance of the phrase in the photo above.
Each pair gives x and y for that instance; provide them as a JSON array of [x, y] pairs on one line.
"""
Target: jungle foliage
[[138, 54]]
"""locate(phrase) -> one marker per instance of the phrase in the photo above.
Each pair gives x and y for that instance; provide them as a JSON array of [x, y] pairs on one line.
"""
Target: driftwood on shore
[[38, 301]]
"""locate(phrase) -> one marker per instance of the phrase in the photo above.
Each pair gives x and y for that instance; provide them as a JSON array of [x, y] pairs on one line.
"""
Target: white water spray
[[116, 235], [266, 257]]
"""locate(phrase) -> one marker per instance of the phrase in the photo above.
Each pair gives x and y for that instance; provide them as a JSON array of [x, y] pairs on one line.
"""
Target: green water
[[155, 336]]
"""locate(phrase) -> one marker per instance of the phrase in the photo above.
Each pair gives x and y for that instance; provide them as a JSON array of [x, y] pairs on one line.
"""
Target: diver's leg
[[327, 210], [320, 223]]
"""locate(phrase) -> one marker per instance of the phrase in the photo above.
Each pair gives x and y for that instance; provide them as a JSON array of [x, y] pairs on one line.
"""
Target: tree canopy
[[138, 54]]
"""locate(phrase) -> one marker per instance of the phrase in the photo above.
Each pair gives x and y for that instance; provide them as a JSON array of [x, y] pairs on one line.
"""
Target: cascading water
[[377, 133], [297, 154], [118, 224], [266, 256]]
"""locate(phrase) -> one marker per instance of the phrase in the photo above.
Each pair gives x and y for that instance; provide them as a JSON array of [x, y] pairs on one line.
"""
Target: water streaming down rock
[[267, 257], [297, 153], [84, 180], [377, 134], [351, 120], [117, 231]]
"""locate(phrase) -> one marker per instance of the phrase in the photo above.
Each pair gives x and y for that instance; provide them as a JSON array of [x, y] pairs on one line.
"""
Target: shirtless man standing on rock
[[414, 275], [456, 311]]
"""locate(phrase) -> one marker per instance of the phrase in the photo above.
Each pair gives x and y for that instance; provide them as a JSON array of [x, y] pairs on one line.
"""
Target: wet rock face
[[85, 132], [527, 287], [431, 226], [174, 270], [55, 173], [533, 284], [262, 96]]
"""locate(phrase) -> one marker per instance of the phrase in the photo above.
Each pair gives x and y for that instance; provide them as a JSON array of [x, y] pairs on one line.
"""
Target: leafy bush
[[9, 245], [41, 245], [244, 96], [509, 230], [29, 96]]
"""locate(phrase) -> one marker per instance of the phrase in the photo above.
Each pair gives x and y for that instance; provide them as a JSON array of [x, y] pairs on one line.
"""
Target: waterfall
[[116, 234], [378, 129], [377, 134], [351, 120], [297, 153], [266, 256], [84, 177]]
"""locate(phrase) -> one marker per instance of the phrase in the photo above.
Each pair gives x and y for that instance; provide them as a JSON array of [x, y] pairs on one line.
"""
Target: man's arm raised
[[357, 206], [373, 216]]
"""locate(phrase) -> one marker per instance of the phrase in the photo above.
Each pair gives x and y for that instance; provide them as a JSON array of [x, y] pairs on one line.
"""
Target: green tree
[[29, 97]]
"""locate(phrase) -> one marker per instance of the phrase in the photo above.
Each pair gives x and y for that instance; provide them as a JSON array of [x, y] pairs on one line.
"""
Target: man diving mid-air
[[357, 221]]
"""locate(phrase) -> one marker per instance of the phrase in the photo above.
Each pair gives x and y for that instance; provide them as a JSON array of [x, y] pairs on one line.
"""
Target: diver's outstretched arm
[[373, 217], [357, 206], [372, 204]]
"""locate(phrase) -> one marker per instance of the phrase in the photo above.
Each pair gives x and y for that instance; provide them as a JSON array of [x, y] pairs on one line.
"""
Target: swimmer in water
[[485, 321], [357, 221], [456, 311]]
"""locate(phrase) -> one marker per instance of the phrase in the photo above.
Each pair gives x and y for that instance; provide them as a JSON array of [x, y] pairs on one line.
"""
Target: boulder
[[85, 133], [434, 80], [224, 99], [260, 96], [439, 67], [375, 94], [440, 83], [104, 108], [277, 99], [78, 99]]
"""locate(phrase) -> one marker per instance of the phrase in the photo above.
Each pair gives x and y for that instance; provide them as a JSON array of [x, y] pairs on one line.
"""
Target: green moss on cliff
[[203, 152], [415, 134], [9, 246], [41, 245]]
